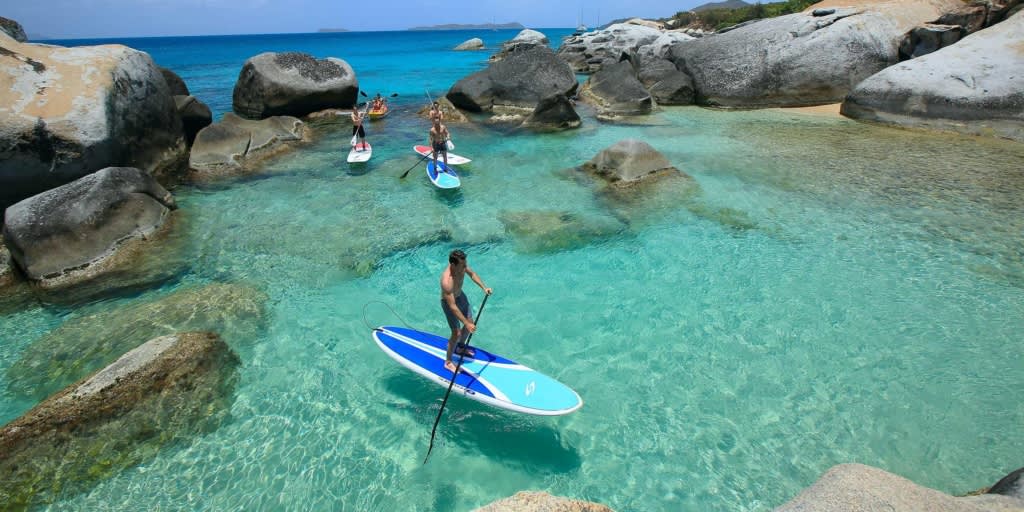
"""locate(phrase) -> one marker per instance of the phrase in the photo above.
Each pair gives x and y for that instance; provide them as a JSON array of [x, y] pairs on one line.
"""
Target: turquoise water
[[830, 292]]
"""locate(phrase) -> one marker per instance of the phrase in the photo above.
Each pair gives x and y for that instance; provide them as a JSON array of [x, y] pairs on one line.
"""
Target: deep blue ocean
[[823, 291]]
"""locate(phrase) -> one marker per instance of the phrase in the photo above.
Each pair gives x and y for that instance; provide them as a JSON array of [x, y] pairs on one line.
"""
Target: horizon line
[[329, 31]]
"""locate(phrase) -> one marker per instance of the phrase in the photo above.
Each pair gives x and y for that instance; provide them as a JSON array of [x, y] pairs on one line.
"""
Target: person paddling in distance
[[357, 127], [456, 306], [439, 141], [436, 112]]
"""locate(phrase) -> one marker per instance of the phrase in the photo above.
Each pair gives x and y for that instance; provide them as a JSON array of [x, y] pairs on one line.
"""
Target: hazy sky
[[123, 18]]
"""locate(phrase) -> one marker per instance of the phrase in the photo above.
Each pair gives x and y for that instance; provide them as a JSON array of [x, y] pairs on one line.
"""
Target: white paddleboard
[[453, 159], [358, 154], [486, 377]]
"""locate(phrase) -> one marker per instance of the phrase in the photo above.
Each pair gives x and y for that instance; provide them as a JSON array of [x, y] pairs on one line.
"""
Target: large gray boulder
[[87, 343], [975, 86], [168, 389], [471, 44], [553, 113], [195, 115], [293, 84], [235, 145], [627, 162], [74, 232], [538, 501], [518, 81], [13, 29], [800, 59], [174, 82], [667, 85], [588, 52], [524, 40], [616, 91], [69, 112], [857, 488]]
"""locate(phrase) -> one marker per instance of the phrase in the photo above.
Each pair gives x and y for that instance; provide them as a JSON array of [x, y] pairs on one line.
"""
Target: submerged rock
[[536, 501], [235, 145], [856, 487], [82, 230], [84, 344], [293, 84], [628, 161], [975, 87], [69, 112], [168, 389], [540, 231]]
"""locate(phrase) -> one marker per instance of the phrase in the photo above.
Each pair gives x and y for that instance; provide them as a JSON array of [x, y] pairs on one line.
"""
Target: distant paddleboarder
[[357, 127], [456, 306]]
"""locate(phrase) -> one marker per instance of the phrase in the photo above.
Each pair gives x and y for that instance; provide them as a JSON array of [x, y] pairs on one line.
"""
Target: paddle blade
[[450, 144]]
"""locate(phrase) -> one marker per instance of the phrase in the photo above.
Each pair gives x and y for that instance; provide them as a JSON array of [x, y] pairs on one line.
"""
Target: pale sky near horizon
[[66, 19]]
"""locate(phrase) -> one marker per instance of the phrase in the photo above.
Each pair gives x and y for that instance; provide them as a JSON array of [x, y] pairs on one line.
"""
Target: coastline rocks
[[974, 87], [194, 114], [72, 233], [524, 40], [174, 82], [553, 113], [170, 388], [799, 59], [6, 268], [616, 91], [627, 162], [667, 85], [537, 501], [72, 111], [587, 52], [929, 38], [471, 44], [519, 81], [1010, 485], [660, 47], [234, 145], [86, 343], [13, 28], [293, 84], [543, 231], [856, 487], [451, 114]]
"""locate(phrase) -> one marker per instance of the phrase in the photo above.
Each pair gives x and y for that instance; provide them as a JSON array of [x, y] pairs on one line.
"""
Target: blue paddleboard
[[444, 177], [485, 377]]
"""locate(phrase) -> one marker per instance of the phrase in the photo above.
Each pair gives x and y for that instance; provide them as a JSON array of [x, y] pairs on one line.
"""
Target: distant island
[[482, 26], [332, 30]]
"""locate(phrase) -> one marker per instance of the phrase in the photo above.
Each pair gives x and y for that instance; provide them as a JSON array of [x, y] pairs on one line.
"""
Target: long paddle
[[454, 375], [406, 173]]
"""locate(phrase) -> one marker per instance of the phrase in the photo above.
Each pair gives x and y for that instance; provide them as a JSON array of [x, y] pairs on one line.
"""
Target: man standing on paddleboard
[[357, 126], [439, 141], [456, 306]]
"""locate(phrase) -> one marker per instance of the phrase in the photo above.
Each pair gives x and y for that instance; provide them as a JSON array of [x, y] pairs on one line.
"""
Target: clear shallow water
[[833, 292]]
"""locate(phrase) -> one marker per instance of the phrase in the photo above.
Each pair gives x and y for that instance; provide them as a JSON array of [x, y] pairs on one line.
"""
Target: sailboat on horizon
[[580, 27]]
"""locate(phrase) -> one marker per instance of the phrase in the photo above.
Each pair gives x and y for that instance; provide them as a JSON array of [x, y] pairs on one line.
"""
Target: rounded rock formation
[[293, 84]]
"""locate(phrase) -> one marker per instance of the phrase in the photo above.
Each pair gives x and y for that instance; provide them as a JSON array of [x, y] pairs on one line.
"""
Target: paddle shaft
[[406, 173], [452, 383]]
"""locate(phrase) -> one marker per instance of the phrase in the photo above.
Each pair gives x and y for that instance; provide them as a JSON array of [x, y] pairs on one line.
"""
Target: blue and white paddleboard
[[485, 377], [442, 177]]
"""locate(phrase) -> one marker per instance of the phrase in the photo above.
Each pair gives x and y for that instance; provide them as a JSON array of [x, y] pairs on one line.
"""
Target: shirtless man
[[456, 306], [439, 141], [357, 126]]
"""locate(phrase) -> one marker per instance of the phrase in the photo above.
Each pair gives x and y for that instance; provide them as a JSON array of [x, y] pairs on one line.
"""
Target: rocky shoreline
[[88, 166]]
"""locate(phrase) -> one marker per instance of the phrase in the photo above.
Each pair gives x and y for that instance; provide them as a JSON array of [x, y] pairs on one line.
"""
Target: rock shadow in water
[[529, 443]]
